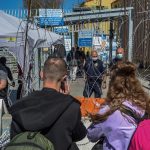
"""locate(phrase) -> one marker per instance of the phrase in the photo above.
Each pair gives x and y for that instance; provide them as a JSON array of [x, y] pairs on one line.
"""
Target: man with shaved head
[[119, 56], [117, 60], [94, 71], [54, 114]]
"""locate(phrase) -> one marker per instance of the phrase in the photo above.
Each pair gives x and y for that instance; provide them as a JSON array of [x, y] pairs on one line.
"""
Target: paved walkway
[[77, 90]]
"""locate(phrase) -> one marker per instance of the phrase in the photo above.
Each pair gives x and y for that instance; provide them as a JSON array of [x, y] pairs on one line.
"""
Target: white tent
[[8, 24], [11, 26]]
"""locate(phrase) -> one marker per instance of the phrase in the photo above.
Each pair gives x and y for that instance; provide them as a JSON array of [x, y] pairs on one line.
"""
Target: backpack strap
[[128, 111]]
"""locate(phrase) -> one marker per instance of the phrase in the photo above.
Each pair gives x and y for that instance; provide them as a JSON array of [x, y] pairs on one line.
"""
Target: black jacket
[[94, 70], [56, 115], [3, 92]]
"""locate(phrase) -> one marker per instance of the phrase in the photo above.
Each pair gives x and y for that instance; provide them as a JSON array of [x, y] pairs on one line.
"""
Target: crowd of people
[[121, 123], [76, 59]]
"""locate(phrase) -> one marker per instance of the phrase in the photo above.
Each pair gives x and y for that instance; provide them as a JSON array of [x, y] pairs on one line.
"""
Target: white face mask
[[119, 56], [94, 58]]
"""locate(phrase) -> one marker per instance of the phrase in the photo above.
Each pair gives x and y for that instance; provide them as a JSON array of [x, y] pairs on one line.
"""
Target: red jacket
[[141, 138]]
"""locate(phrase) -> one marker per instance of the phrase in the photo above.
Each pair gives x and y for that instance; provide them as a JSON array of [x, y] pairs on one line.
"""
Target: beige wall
[[106, 4], [94, 3]]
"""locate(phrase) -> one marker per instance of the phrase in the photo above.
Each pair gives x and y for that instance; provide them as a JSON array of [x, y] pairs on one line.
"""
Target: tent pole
[[26, 39]]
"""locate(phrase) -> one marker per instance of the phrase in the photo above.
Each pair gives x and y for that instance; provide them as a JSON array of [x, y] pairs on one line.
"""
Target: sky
[[17, 4], [11, 4], [68, 4]]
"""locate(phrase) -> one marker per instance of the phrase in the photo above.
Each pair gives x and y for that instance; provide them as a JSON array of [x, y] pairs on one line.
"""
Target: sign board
[[85, 42], [85, 38], [51, 17], [67, 42], [62, 29], [104, 55], [114, 46], [97, 40], [100, 42], [85, 34], [103, 36]]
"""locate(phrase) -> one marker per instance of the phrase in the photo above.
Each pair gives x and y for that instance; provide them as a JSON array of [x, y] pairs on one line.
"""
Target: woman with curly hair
[[126, 105]]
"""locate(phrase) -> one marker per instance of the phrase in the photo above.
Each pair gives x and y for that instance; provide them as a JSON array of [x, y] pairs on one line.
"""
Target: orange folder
[[90, 105]]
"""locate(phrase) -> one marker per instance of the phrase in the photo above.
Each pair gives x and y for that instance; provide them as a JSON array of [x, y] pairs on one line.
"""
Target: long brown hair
[[124, 86]]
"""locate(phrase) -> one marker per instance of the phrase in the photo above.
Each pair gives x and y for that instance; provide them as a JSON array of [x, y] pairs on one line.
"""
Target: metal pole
[[73, 36], [100, 4], [26, 35], [130, 46], [111, 40], [124, 31], [25, 47], [92, 35]]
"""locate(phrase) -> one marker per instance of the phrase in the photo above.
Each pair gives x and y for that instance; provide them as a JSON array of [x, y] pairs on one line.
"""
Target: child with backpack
[[125, 107]]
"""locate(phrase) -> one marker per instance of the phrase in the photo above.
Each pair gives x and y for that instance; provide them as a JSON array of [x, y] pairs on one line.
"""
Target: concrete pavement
[[77, 87], [77, 90]]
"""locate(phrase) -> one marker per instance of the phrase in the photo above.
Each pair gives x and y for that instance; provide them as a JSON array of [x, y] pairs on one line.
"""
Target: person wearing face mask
[[119, 57], [94, 71], [120, 54], [117, 60]]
